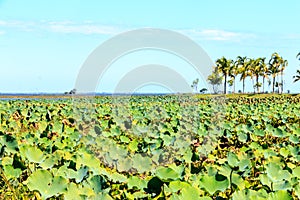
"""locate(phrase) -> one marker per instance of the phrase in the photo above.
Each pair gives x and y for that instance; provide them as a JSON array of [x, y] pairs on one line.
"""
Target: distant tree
[[73, 91], [195, 84], [203, 90], [215, 79], [297, 76]]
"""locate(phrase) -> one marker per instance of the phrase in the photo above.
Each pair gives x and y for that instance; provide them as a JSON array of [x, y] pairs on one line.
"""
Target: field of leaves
[[154, 147]]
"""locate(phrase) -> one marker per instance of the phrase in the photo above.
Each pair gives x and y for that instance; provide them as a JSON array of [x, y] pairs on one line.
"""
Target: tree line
[[259, 70]]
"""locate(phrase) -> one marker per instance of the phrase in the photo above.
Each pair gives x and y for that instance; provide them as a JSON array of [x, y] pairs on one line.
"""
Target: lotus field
[[151, 147]]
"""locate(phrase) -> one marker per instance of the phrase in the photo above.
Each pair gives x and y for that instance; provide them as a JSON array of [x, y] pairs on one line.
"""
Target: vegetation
[[73, 91], [297, 76], [195, 84], [255, 69], [225, 67], [154, 147], [215, 79]]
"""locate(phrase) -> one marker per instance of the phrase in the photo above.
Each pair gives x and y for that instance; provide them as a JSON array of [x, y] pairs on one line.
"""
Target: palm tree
[[297, 76], [223, 66], [274, 64], [241, 69], [265, 73], [284, 64], [233, 72], [251, 71], [258, 65]]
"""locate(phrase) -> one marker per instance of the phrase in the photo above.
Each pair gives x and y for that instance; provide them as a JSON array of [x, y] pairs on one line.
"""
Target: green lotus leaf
[[136, 182], [6, 161], [116, 177], [296, 172], [124, 139], [296, 131], [49, 162], [73, 192], [86, 159], [175, 186], [259, 132], [275, 173], [47, 185], [11, 172], [9, 142], [249, 195], [297, 190], [284, 152], [96, 183], [133, 145], [265, 180], [279, 195], [294, 139], [57, 127], [242, 137], [32, 153], [189, 192], [42, 126], [282, 185], [212, 185], [245, 164], [77, 175], [142, 164], [167, 173], [124, 164], [232, 159], [279, 132], [140, 195]]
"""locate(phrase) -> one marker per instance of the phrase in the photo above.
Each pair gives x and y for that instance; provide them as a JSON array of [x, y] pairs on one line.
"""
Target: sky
[[44, 44]]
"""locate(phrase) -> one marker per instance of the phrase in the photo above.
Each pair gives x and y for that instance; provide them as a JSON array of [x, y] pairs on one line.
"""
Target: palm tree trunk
[[243, 86], [273, 84], [233, 85], [225, 84], [281, 82], [263, 84], [257, 83], [253, 85]]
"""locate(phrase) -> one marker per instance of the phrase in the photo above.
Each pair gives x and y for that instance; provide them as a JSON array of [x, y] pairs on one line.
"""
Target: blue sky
[[43, 44]]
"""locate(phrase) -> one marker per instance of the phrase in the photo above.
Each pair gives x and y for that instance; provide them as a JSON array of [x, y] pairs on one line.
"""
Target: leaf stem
[[231, 188], [8, 184]]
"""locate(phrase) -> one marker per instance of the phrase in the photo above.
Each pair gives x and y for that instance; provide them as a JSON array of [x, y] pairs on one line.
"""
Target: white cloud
[[2, 32], [22, 25], [85, 28], [292, 36], [217, 35], [2, 23], [90, 27]]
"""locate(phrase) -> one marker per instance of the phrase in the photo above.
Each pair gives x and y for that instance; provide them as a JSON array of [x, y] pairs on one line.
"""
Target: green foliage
[[155, 147]]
